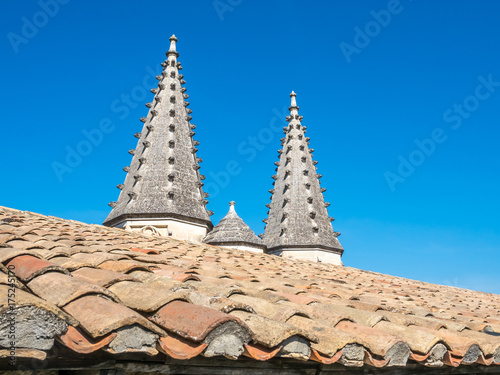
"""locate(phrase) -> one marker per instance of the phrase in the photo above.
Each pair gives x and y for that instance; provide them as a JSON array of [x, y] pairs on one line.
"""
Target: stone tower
[[232, 232], [162, 193], [298, 225]]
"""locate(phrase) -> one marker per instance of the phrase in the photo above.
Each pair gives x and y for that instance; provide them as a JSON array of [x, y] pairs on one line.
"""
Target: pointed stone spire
[[163, 186], [232, 232], [298, 225]]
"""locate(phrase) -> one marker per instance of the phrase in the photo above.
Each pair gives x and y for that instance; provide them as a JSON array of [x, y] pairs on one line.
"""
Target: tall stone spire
[[298, 225], [162, 193]]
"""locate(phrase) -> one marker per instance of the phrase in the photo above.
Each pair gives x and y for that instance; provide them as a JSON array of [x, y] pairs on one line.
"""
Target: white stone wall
[[310, 254], [175, 228]]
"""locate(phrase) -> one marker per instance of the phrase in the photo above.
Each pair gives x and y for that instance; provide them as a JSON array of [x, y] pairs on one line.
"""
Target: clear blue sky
[[373, 79]]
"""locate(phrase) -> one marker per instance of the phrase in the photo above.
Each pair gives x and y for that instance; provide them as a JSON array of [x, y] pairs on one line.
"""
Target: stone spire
[[163, 187], [234, 233], [298, 225]]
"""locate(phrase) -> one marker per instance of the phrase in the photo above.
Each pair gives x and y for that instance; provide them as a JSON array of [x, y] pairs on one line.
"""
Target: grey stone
[[151, 193], [232, 230], [34, 328], [297, 193]]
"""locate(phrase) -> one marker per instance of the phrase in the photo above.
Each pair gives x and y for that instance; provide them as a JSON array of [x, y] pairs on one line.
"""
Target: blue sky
[[400, 100]]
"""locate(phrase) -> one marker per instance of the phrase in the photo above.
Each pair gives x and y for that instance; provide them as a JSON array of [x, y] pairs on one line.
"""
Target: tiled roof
[[92, 290]]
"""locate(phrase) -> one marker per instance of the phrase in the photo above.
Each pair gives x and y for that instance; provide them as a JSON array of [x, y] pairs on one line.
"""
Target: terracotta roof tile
[[60, 289], [190, 321], [140, 297], [26, 267], [99, 316], [100, 277]]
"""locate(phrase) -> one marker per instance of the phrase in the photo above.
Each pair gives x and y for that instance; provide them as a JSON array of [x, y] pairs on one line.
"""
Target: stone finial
[[293, 106], [172, 49], [231, 206]]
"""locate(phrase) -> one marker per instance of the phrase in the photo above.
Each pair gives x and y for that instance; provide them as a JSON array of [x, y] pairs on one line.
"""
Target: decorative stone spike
[[120, 186], [322, 189], [137, 135], [332, 219], [199, 160], [183, 89], [295, 183], [268, 205], [196, 167], [271, 191], [277, 163], [192, 126], [318, 176], [196, 143], [132, 195], [202, 177], [327, 204], [265, 220], [171, 128], [126, 169], [315, 162], [189, 110], [112, 204], [131, 152], [210, 213], [205, 195]]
